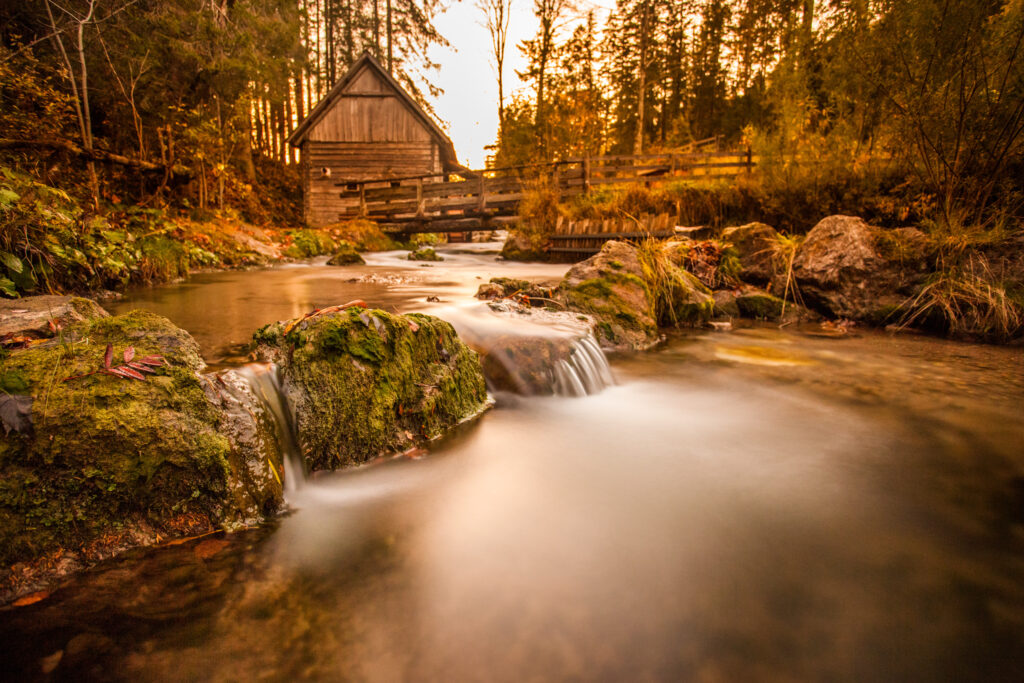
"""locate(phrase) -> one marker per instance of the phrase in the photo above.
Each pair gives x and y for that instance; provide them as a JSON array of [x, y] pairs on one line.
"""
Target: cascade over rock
[[362, 383]]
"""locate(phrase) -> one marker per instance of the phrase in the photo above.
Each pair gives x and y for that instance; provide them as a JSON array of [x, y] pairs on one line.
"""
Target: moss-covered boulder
[[610, 287], [631, 291], [98, 462], [424, 254], [345, 254], [760, 305], [365, 382]]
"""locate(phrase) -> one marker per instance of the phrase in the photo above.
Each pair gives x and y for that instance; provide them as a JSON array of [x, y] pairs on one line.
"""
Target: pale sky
[[468, 109]]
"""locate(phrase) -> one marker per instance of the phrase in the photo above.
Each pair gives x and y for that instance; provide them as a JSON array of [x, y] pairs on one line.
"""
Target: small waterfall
[[584, 372], [265, 382]]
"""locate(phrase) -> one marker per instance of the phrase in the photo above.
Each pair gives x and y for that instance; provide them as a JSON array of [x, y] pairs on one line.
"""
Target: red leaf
[[155, 361], [108, 356], [142, 368], [128, 372], [129, 353], [413, 326]]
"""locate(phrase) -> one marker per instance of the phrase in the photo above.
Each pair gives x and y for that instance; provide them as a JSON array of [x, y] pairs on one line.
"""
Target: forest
[[169, 119]]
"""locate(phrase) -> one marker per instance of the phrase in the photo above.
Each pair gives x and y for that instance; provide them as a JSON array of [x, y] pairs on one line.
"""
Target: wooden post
[[750, 160], [557, 182], [586, 174], [482, 200], [362, 200], [420, 209], [672, 164]]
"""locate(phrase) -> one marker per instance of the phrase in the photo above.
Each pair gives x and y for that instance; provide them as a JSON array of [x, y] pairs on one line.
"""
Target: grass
[[783, 254], [967, 300]]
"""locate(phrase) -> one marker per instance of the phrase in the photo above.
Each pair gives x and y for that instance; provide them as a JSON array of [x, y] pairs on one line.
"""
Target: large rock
[[610, 287], [629, 296], [362, 383], [93, 464], [755, 246], [840, 272], [42, 317]]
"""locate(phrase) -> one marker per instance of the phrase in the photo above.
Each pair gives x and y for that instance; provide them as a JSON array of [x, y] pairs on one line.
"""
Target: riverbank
[[926, 272]]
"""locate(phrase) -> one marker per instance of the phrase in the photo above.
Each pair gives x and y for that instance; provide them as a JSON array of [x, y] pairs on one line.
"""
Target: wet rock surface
[[759, 305], [346, 255], [362, 383], [104, 462], [425, 254]]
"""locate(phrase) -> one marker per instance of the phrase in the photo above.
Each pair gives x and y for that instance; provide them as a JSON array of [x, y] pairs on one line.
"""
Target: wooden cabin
[[367, 127]]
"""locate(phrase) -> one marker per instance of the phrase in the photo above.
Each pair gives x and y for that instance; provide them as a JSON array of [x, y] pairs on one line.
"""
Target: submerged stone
[[424, 254], [362, 383], [109, 462], [346, 255]]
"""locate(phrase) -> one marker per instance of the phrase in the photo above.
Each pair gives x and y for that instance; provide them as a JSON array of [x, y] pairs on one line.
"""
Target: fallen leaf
[[129, 353], [108, 357]]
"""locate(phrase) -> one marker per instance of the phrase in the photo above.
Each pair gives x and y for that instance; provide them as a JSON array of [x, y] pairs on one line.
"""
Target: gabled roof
[[296, 139]]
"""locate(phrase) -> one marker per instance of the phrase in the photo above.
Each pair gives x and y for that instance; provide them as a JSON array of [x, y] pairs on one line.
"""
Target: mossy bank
[[92, 463]]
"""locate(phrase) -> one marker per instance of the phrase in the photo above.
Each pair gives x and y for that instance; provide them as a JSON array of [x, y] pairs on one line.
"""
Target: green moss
[[760, 305], [345, 254], [363, 383], [424, 254], [105, 450], [309, 243]]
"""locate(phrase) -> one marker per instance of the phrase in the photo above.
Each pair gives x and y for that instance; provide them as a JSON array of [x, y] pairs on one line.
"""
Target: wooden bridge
[[489, 199]]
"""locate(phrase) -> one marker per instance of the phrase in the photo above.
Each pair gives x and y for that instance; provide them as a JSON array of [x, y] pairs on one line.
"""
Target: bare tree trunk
[[376, 28], [645, 21], [390, 54]]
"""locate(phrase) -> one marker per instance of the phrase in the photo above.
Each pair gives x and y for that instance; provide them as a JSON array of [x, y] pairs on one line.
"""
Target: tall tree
[[497, 14]]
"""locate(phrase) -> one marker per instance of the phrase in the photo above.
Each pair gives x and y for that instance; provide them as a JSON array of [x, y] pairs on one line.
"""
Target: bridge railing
[[408, 203]]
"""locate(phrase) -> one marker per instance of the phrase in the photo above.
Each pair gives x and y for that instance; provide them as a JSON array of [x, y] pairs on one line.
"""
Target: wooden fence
[[489, 198]]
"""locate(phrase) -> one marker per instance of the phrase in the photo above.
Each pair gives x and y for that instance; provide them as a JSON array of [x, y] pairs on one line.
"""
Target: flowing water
[[761, 504]]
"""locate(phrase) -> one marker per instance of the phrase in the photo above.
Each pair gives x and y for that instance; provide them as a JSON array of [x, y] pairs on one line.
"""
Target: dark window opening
[[396, 183], [352, 186]]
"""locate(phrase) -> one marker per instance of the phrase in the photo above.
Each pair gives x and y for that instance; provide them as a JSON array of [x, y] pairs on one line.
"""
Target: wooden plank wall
[[369, 118], [352, 161]]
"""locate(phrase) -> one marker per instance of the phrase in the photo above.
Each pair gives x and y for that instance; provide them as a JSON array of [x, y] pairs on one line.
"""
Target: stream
[[751, 505]]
